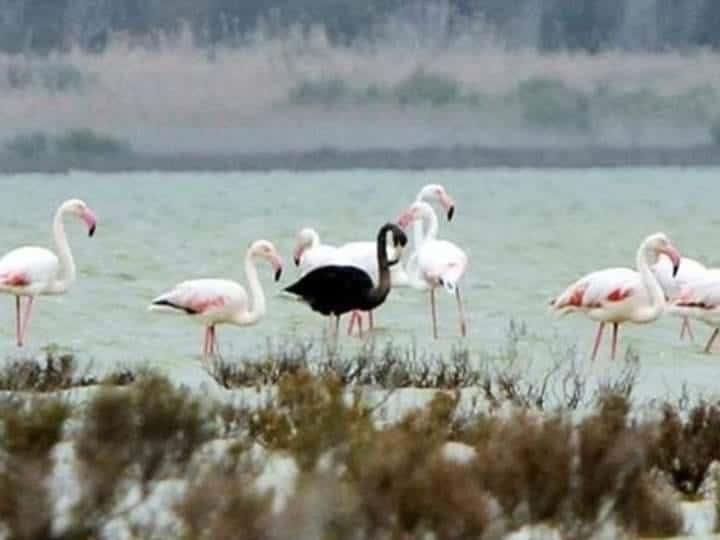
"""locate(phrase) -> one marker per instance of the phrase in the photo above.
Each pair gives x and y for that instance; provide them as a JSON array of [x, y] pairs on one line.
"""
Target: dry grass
[[118, 89], [56, 371], [358, 478]]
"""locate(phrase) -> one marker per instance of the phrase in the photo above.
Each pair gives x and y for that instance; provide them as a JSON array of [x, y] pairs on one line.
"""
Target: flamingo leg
[[351, 324], [26, 319], [206, 339], [360, 324], [17, 321], [371, 323], [711, 340], [213, 341], [598, 337], [434, 313], [614, 340], [461, 313], [689, 329]]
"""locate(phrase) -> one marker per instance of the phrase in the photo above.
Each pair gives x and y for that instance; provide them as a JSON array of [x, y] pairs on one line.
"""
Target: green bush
[[87, 142], [52, 76], [322, 92], [423, 88], [29, 145], [550, 103]]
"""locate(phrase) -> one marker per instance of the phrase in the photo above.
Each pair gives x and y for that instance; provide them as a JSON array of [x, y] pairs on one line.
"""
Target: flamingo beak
[[448, 204], [674, 256], [90, 220], [297, 254], [277, 265]]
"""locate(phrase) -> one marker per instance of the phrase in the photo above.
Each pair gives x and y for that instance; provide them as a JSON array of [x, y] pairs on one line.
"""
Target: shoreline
[[420, 158]]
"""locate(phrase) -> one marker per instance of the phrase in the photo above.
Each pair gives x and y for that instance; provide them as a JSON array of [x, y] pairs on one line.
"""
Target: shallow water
[[529, 233]]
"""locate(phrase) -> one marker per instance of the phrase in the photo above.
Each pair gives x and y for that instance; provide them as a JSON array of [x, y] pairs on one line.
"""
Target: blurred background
[[126, 78]]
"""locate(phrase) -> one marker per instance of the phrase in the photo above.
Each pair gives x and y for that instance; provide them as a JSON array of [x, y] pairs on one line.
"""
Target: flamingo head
[[413, 212], [305, 239], [267, 251], [82, 210], [437, 192], [660, 244]]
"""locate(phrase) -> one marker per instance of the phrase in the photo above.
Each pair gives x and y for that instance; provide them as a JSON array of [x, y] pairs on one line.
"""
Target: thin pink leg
[[598, 337], [461, 312], [708, 347], [206, 339], [18, 340], [689, 329], [683, 326], [434, 313], [371, 322], [351, 324], [213, 341], [26, 319], [360, 323], [614, 340]]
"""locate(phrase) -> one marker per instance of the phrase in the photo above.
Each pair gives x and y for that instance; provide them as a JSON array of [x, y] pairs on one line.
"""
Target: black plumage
[[338, 289]]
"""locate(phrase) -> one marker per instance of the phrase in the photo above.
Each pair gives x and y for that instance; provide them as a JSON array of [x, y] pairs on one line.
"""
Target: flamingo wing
[[440, 261], [597, 289], [689, 271], [703, 294], [333, 289], [206, 297], [28, 269]]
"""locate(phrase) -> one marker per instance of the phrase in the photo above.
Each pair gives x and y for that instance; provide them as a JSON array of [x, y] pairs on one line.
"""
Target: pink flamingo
[[690, 271], [30, 271], [618, 295], [435, 262], [222, 301], [700, 300], [310, 253]]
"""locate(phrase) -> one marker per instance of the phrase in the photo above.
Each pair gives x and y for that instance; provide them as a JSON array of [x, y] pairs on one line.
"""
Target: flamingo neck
[[66, 273], [429, 218], [257, 298], [649, 280], [378, 293], [314, 239], [418, 229]]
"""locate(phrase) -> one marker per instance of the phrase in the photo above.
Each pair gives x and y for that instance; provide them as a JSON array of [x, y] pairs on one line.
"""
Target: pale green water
[[529, 233]]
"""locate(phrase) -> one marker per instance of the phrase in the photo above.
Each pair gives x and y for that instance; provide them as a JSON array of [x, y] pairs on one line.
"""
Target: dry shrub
[[310, 417], [685, 449], [525, 462], [614, 469], [57, 371], [143, 433], [30, 433], [224, 507], [405, 486]]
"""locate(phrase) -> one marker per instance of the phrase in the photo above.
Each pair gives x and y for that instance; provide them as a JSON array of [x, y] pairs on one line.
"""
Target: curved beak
[[674, 256], [277, 264], [90, 220], [448, 204], [297, 254]]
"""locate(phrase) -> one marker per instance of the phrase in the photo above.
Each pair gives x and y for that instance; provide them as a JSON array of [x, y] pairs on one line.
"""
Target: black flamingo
[[337, 289]]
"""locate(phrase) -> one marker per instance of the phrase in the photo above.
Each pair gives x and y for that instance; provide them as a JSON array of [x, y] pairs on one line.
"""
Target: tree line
[[42, 26]]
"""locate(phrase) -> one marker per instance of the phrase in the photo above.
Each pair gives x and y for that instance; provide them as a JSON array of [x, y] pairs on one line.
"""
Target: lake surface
[[528, 233]]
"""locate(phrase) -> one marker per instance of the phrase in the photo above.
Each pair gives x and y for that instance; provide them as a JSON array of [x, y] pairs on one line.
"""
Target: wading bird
[[30, 271], [700, 300], [690, 271], [619, 295], [435, 262], [335, 289], [222, 301]]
